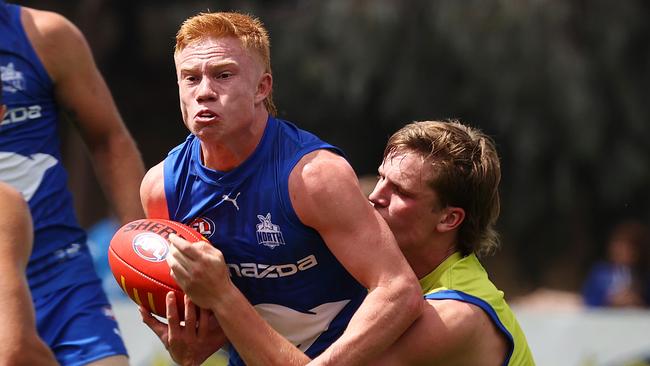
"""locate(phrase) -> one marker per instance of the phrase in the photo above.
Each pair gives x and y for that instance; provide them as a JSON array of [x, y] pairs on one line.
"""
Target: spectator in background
[[622, 280]]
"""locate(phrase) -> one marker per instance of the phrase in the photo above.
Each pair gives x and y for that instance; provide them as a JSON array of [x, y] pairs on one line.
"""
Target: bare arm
[[448, 332], [81, 91], [19, 341], [326, 196]]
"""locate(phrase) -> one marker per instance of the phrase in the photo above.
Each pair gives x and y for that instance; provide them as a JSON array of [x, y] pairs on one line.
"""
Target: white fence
[[587, 337]]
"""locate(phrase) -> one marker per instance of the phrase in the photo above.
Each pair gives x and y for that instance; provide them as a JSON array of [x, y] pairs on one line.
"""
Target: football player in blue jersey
[[47, 67], [306, 255]]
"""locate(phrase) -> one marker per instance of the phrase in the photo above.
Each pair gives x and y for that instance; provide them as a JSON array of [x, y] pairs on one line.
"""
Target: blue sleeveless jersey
[[283, 267], [30, 158]]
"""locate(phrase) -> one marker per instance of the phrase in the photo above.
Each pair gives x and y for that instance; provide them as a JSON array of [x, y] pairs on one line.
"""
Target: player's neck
[[228, 154], [427, 258]]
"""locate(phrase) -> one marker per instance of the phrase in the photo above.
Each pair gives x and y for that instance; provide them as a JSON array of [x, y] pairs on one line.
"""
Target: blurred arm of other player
[[19, 341], [82, 92]]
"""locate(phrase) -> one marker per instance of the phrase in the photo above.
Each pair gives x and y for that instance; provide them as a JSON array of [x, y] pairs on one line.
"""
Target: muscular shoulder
[[319, 172], [322, 182], [461, 318], [56, 40], [48, 23]]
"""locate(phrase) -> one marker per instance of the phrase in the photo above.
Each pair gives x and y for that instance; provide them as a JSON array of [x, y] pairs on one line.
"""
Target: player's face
[[218, 87], [404, 200]]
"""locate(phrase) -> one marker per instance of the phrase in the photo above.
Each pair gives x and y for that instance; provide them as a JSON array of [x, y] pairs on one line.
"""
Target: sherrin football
[[137, 254]]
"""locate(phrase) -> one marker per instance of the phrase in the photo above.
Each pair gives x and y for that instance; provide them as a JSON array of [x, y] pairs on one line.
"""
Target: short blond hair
[[467, 173], [248, 29]]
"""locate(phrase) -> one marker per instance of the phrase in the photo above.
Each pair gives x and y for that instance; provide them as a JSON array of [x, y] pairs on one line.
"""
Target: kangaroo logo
[[150, 247], [268, 234], [12, 80], [226, 197]]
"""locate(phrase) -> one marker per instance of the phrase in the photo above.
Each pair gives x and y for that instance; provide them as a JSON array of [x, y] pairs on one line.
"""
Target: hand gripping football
[[137, 255]]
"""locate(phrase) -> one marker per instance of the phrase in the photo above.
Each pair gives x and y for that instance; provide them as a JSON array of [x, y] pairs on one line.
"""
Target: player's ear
[[264, 87], [451, 218]]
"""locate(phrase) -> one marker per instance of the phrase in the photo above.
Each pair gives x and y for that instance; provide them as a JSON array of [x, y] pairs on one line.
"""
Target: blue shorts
[[77, 323]]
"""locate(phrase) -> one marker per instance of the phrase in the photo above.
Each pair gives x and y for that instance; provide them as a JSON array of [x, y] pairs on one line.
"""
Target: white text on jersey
[[257, 270], [22, 114]]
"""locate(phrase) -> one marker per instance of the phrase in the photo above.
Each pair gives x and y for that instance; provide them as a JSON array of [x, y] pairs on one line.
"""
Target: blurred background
[[563, 87]]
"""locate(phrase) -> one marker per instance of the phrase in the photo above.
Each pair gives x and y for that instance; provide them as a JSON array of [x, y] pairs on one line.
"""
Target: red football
[[137, 255]]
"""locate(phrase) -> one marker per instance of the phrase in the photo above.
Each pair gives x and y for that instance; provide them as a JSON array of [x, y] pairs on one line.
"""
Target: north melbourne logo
[[268, 234], [12, 80]]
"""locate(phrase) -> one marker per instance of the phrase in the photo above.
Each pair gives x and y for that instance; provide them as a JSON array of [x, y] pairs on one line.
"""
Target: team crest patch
[[268, 234], [203, 225], [12, 80]]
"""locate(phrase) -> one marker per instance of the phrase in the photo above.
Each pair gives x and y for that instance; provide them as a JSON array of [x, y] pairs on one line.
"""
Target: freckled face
[[404, 200], [218, 83]]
